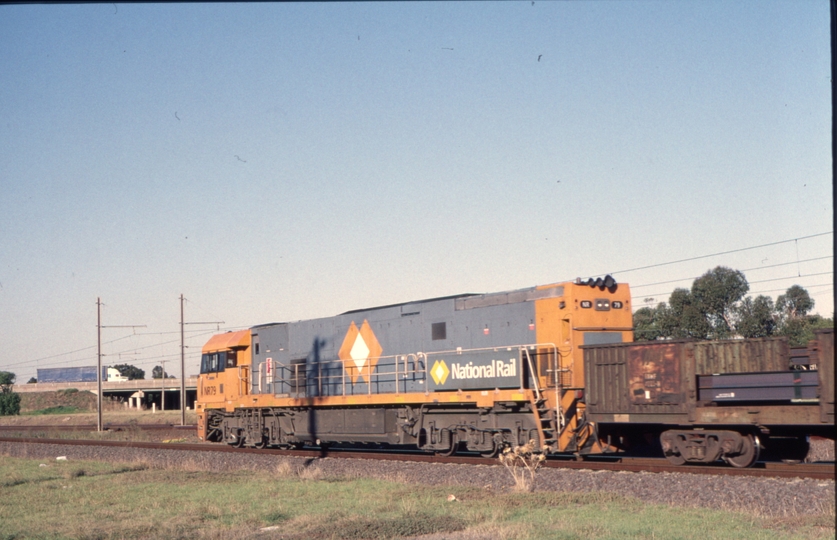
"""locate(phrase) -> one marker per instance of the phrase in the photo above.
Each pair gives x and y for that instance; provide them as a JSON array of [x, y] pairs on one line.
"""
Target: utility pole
[[99, 355], [183, 360], [163, 397]]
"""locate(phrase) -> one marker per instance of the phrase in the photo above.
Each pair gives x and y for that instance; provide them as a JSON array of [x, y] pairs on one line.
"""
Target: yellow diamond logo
[[440, 372]]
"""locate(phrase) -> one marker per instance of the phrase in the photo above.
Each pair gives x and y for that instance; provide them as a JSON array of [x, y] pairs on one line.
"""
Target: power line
[[719, 253], [786, 263], [791, 277], [652, 295], [37, 362]]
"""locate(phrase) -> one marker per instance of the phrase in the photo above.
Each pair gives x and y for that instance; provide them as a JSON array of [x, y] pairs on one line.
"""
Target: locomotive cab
[[224, 375]]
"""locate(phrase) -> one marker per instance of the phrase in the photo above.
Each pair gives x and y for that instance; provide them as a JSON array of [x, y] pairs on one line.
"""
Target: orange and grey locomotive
[[468, 372]]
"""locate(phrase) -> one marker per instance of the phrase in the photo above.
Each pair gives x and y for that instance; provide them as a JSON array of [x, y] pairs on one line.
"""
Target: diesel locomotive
[[473, 372]]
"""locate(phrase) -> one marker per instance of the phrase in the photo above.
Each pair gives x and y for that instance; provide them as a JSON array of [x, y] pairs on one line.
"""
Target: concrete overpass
[[151, 391]]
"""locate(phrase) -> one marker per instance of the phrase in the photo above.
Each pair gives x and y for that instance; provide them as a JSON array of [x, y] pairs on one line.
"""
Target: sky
[[281, 162]]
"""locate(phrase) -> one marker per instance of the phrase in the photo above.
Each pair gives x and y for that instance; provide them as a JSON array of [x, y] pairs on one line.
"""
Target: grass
[[60, 409], [66, 499]]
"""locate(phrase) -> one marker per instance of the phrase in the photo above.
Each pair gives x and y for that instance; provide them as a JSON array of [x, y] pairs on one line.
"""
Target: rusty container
[[645, 378], [656, 381], [658, 377], [740, 355]]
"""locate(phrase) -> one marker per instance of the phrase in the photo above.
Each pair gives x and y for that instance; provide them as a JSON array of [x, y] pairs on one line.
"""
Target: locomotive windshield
[[218, 362]]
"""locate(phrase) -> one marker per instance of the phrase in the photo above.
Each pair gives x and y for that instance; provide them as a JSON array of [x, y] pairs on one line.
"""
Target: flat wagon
[[702, 401]]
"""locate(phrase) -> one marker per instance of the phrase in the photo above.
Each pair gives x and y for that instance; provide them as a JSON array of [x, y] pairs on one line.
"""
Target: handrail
[[289, 375], [532, 372]]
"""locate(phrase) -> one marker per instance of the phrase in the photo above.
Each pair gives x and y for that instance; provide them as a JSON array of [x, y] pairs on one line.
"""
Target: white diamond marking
[[359, 352], [440, 372]]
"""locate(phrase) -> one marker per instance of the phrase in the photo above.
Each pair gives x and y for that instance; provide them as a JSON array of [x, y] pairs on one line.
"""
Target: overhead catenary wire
[[745, 270], [696, 258], [638, 305]]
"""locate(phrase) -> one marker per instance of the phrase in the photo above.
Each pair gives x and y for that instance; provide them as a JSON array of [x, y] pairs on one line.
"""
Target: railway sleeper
[[705, 446]]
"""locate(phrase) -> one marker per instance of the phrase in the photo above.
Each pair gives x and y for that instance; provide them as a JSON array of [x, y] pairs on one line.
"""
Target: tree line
[[716, 308]]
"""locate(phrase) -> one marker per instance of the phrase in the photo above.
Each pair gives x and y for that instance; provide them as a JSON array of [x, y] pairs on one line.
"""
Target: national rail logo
[[360, 351], [440, 372]]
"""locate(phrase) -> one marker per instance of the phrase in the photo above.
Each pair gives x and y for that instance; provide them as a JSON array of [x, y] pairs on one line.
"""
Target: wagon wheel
[[668, 442], [676, 459], [749, 453]]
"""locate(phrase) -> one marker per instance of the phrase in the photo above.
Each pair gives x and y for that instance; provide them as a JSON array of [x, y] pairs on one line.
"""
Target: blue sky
[[291, 161]]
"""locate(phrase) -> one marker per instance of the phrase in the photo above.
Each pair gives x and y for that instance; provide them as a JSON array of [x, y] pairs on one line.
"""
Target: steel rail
[[819, 471], [112, 427]]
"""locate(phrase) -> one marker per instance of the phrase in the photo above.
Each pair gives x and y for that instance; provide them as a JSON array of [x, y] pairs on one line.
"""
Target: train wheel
[[493, 453], [749, 453], [669, 442], [675, 459], [239, 441], [454, 446]]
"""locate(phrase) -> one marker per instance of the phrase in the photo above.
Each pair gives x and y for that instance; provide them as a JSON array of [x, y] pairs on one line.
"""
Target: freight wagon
[[701, 401]]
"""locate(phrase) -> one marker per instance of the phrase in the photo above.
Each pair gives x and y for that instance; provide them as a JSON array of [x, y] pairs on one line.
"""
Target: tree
[[7, 379], [131, 372], [684, 318], [796, 302], [9, 400], [645, 324], [715, 308], [795, 323], [755, 318], [158, 373], [715, 295], [32, 380]]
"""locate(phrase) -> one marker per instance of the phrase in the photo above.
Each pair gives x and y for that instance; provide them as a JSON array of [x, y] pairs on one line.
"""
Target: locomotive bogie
[[441, 429], [707, 446]]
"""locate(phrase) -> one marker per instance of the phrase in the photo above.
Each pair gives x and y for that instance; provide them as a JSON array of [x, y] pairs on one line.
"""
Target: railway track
[[92, 427], [819, 471]]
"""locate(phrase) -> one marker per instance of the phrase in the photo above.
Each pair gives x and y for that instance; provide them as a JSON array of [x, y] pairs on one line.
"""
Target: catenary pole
[[99, 365], [183, 324], [182, 367], [99, 327]]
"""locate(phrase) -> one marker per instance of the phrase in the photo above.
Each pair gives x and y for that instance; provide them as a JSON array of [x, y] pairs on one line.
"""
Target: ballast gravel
[[761, 496]]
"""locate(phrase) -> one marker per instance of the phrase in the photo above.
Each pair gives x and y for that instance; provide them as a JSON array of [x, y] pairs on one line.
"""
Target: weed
[[522, 462], [60, 409], [275, 516], [371, 528], [284, 469], [74, 473], [310, 473]]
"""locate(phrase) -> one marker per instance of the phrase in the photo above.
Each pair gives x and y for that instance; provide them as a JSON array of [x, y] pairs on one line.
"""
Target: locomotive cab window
[[215, 362], [232, 359]]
